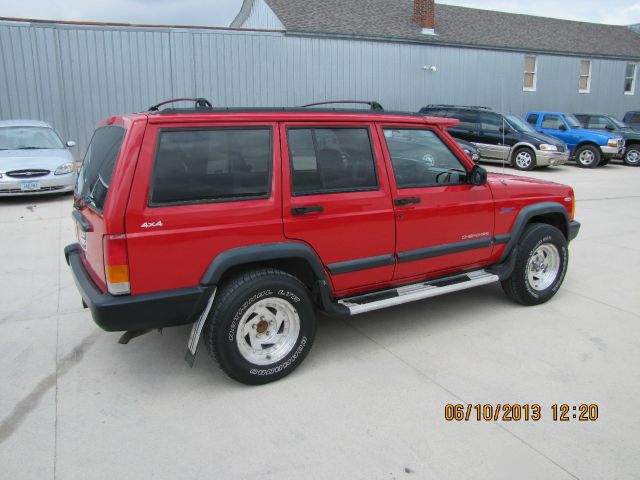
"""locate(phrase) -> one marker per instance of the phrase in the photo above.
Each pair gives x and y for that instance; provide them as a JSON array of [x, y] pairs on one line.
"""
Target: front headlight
[[548, 148], [64, 169]]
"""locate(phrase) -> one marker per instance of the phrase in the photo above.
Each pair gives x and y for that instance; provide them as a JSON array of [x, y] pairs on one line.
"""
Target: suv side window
[[468, 119], [211, 165], [552, 122], [421, 159], [490, 122], [597, 122], [533, 119], [331, 160]]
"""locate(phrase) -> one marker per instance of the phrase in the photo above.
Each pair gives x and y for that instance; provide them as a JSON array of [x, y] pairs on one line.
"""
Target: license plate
[[82, 239], [29, 186]]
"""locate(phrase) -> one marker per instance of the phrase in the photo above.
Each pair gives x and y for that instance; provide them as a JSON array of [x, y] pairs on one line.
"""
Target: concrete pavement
[[368, 402]]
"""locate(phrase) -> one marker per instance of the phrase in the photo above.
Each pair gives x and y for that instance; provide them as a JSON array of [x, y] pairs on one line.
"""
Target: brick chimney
[[424, 14]]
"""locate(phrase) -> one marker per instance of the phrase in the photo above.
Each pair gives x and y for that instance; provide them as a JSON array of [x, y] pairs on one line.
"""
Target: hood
[[515, 188], [603, 134], [539, 138], [49, 159]]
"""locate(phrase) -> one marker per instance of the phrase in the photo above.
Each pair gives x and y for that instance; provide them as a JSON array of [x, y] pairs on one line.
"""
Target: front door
[[554, 125], [443, 223], [496, 138], [336, 198]]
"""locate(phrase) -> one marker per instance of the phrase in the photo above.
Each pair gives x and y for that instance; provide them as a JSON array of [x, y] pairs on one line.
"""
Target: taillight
[[116, 264]]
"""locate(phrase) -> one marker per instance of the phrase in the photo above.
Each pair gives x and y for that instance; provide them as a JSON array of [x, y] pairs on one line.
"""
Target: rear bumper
[[135, 312], [574, 228], [546, 158]]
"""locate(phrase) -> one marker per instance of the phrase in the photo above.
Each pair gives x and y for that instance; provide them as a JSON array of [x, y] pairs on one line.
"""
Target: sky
[[221, 12]]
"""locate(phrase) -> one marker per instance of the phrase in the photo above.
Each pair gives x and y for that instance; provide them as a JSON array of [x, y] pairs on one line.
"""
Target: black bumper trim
[[574, 228], [135, 312]]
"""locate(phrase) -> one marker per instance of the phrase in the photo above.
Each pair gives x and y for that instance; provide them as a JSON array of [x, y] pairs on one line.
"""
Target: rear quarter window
[[98, 165], [211, 165], [533, 119]]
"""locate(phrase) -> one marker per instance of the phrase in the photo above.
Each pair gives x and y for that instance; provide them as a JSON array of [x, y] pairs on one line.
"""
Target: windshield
[[518, 124], [29, 138], [572, 121], [617, 123]]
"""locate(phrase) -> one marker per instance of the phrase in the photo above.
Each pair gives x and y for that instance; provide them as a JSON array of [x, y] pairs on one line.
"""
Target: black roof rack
[[458, 106], [374, 105], [200, 103]]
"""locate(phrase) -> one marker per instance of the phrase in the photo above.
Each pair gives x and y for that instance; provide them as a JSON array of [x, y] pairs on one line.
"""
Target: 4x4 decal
[[152, 224]]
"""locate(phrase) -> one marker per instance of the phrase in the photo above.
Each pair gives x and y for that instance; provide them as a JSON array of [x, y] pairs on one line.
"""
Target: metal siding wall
[[74, 76]]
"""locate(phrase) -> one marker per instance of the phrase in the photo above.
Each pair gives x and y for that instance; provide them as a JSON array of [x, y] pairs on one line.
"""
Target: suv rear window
[[331, 160], [211, 165], [98, 164]]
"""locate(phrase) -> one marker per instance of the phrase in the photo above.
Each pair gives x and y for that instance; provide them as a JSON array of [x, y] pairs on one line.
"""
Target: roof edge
[[77, 23], [438, 43]]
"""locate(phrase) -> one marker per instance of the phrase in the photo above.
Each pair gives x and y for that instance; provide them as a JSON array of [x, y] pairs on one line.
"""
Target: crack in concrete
[[25, 406]]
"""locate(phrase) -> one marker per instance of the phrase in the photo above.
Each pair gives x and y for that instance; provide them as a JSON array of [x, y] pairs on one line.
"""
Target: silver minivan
[[33, 159]]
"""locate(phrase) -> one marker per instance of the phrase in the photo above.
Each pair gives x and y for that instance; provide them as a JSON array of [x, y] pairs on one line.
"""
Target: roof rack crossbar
[[458, 106], [374, 105], [200, 103]]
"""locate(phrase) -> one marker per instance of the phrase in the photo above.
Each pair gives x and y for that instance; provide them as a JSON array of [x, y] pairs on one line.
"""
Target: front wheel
[[541, 264], [588, 156], [524, 159], [604, 161], [262, 326], [632, 156]]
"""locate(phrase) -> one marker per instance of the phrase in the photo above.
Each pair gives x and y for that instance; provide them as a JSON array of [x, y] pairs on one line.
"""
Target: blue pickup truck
[[589, 148]]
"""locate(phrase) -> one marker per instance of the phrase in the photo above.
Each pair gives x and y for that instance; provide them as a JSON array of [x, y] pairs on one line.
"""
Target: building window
[[585, 76], [530, 73], [630, 79]]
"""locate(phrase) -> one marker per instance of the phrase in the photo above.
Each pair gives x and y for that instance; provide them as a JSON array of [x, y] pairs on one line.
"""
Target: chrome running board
[[416, 291]]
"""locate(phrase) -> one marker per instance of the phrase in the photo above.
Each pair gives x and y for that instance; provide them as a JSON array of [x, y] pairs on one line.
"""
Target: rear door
[[336, 199], [443, 223], [469, 127], [200, 189], [496, 139]]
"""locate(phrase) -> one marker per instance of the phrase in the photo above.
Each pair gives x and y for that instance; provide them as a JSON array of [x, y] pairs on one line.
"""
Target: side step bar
[[416, 291]]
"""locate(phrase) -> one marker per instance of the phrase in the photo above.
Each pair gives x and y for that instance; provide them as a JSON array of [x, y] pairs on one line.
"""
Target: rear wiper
[[87, 199]]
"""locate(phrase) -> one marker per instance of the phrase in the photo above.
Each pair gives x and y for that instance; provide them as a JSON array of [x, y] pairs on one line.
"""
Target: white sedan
[[33, 159]]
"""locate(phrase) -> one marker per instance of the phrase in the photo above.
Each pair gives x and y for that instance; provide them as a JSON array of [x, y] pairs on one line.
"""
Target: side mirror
[[562, 127], [609, 127], [478, 176], [71, 143]]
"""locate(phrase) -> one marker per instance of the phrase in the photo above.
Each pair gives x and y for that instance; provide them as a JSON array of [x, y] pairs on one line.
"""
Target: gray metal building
[[291, 52]]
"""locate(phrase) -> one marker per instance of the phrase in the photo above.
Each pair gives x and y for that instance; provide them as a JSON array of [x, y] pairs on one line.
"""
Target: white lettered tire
[[261, 327], [541, 264]]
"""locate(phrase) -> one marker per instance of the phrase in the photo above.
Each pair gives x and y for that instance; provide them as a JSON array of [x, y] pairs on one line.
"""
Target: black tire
[[632, 156], [604, 161], [236, 297], [582, 162], [517, 286], [524, 165]]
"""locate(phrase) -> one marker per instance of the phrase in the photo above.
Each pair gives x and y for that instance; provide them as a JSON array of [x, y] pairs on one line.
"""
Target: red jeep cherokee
[[244, 221]]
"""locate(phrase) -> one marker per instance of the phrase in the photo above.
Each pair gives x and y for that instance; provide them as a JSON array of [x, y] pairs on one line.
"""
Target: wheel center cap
[[262, 326]]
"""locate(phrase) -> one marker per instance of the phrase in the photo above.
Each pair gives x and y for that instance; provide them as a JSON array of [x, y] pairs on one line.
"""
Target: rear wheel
[[588, 156], [262, 326], [524, 159], [632, 156], [541, 264]]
